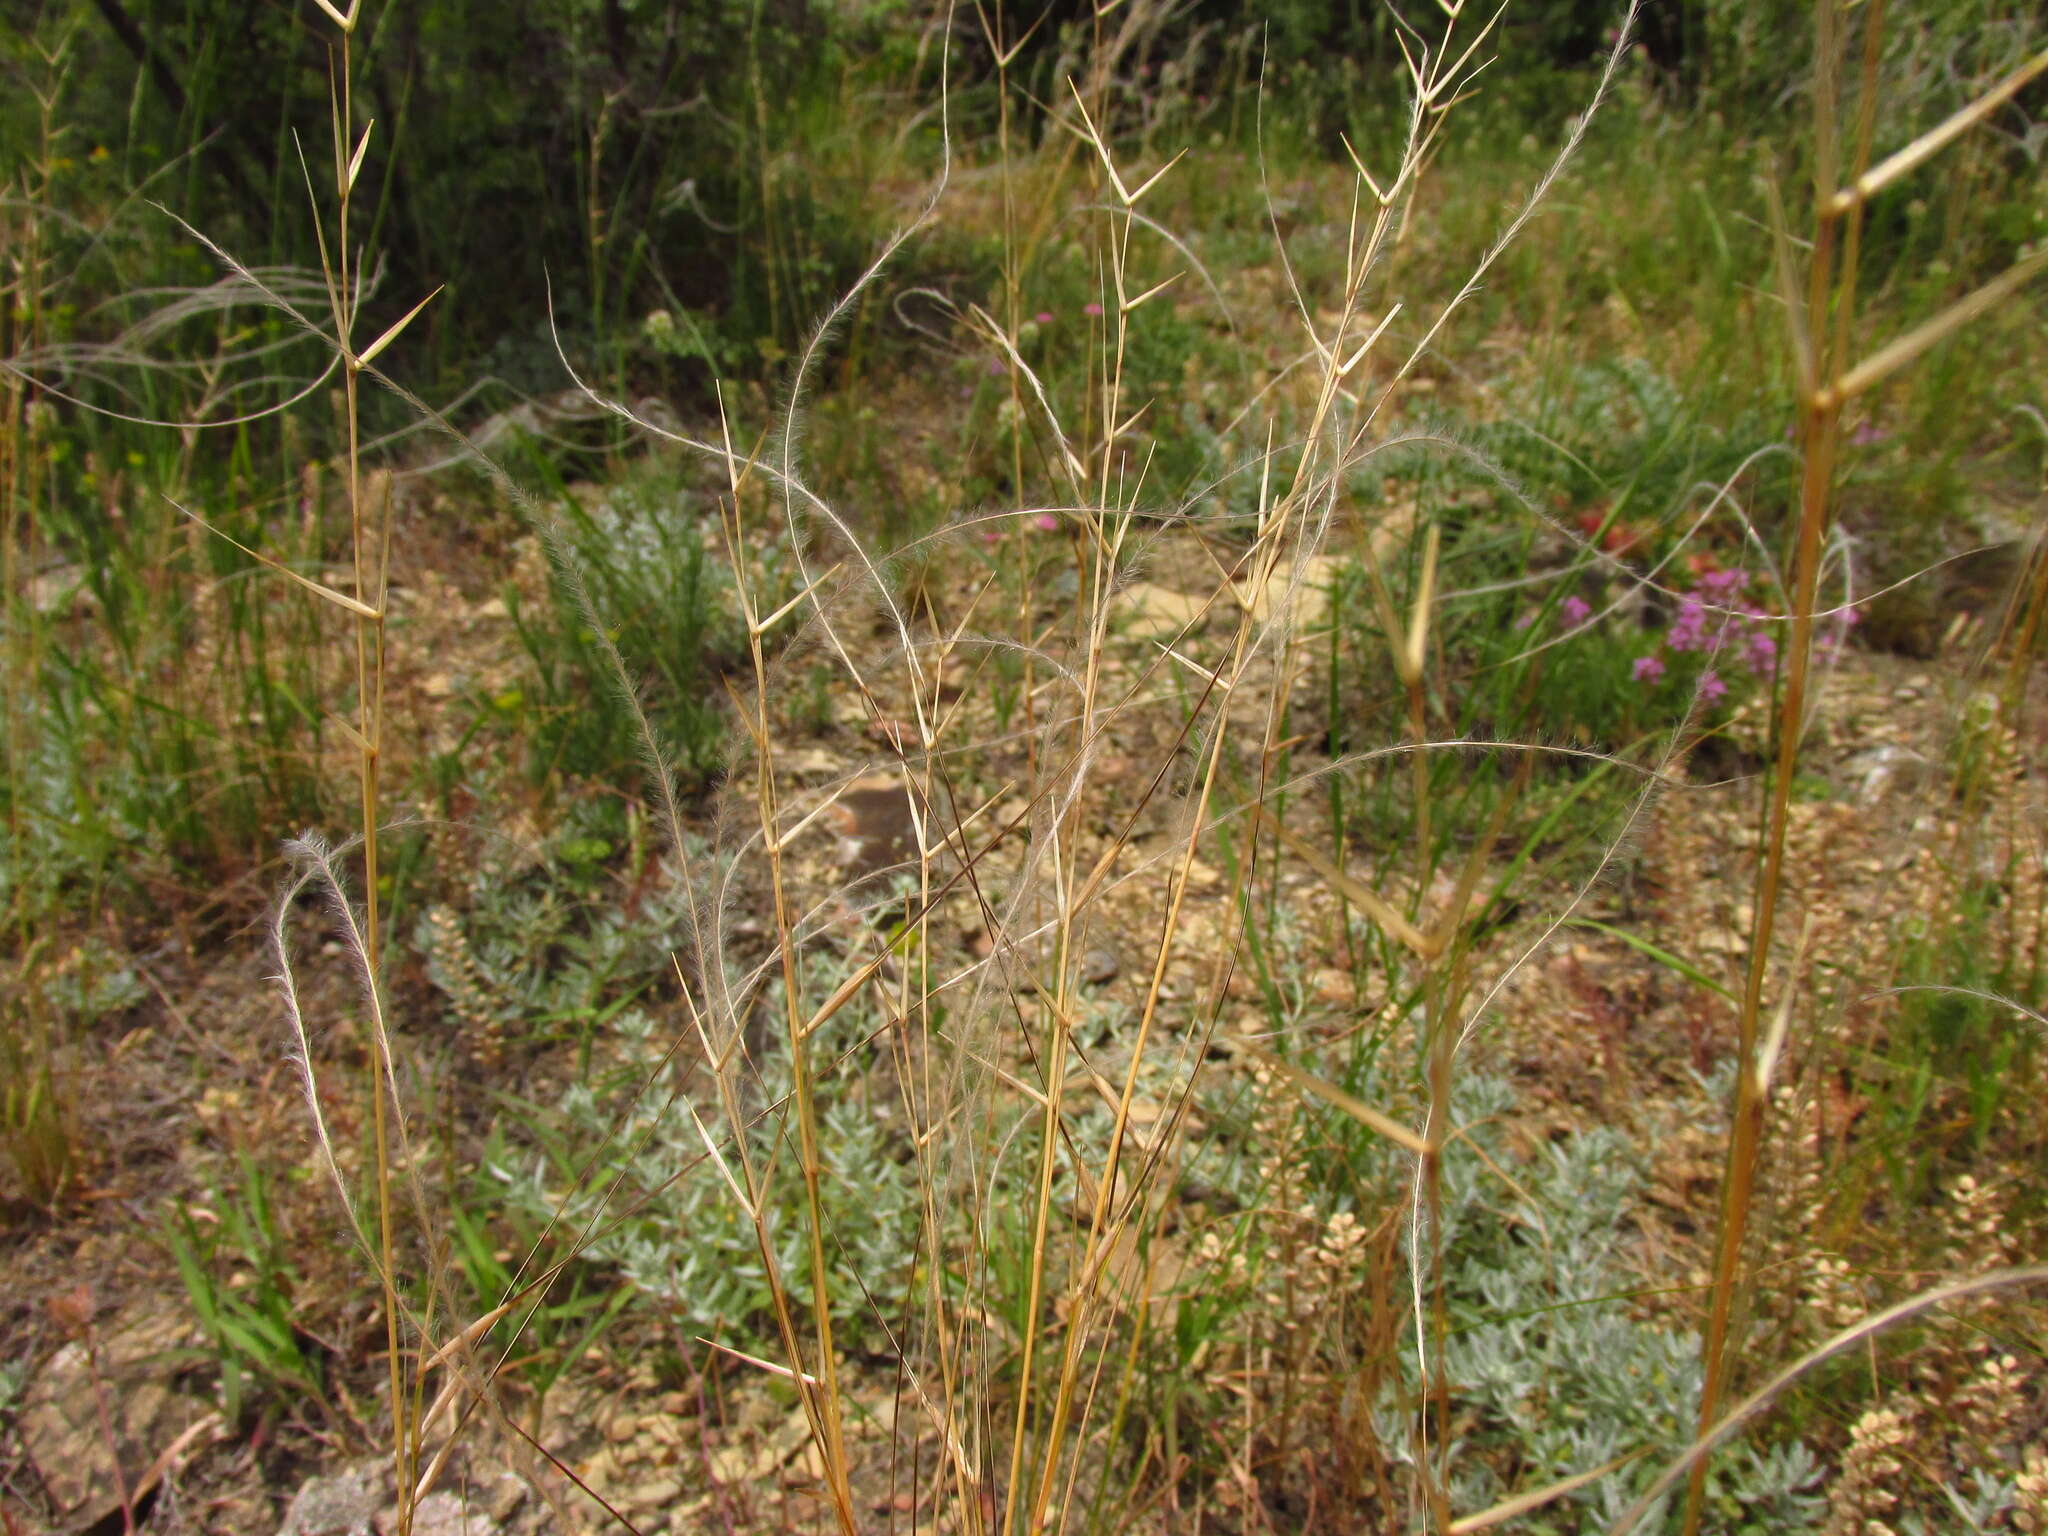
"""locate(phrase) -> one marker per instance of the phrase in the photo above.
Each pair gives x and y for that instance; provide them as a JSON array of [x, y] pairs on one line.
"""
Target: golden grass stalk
[[343, 298], [370, 527], [1931, 143], [1827, 380]]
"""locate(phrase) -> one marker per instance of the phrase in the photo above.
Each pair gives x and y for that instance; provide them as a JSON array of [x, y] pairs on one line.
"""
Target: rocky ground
[[114, 1411]]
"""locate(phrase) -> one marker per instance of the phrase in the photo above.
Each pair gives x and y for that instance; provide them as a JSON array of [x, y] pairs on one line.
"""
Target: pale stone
[[343, 1503]]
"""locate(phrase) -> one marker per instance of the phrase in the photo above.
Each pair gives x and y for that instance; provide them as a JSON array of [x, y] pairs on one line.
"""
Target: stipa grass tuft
[[1066, 954]]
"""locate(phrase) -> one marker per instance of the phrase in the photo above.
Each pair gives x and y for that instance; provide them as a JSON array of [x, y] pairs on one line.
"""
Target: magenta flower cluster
[[1718, 623], [1711, 618], [1716, 617]]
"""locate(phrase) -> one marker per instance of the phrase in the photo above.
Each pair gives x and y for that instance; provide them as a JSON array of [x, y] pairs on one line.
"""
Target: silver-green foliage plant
[[645, 1112], [1557, 1368], [535, 956], [673, 1228]]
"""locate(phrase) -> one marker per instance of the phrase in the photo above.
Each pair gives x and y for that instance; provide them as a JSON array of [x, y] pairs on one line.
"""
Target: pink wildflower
[[1689, 630], [1649, 668], [1761, 652], [1575, 610], [1711, 686], [1047, 522], [1091, 308], [1043, 317]]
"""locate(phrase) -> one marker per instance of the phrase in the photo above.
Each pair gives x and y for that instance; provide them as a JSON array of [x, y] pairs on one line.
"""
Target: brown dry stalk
[[1827, 380]]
